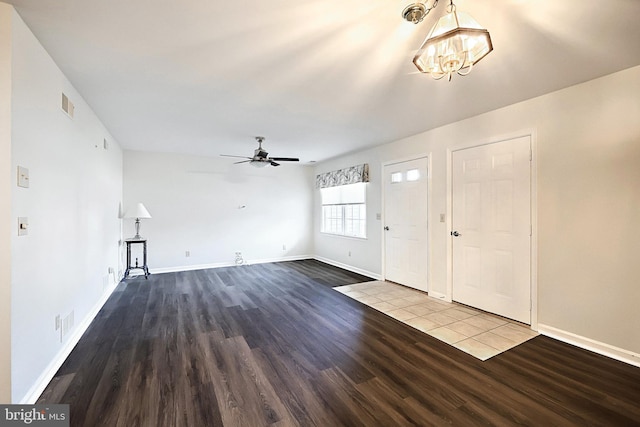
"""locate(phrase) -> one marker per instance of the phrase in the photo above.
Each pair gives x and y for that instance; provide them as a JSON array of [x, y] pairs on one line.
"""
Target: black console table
[[142, 267]]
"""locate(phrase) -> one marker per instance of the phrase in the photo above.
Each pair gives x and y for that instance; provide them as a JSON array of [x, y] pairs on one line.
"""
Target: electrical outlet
[[349, 253], [284, 247], [23, 177], [187, 254], [239, 259]]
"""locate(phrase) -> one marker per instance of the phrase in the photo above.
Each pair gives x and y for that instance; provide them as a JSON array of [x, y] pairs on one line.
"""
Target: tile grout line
[[401, 294]]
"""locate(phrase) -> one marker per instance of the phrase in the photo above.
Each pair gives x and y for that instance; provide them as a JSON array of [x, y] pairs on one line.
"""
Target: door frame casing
[[418, 156], [532, 134]]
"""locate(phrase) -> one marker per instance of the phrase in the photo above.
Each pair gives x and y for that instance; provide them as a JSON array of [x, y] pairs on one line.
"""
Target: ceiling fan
[[261, 157]]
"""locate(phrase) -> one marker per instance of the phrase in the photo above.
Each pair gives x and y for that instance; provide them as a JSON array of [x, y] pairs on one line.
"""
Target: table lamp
[[138, 212]]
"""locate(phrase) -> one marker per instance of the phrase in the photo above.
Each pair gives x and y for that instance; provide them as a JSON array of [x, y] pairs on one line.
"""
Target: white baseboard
[[179, 268], [226, 264], [375, 276], [265, 261], [591, 345], [47, 375]]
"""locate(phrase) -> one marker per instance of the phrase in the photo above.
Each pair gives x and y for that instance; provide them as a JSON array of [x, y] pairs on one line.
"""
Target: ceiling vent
[[67, 106]]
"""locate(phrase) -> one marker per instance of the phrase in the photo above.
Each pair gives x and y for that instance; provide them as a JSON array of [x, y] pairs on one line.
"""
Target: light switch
[[23, 177], [23, 226], [442, 217], [378, 216]]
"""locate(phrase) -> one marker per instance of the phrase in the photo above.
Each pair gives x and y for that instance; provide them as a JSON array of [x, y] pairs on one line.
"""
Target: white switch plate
[[23, 177], [23, 226], [442, 217]]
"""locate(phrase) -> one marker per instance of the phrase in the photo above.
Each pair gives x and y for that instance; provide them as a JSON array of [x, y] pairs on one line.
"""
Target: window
[[344, 210], [413, 175]]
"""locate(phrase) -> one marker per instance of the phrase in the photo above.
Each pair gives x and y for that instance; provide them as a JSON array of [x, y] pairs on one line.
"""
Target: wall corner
[[6, 12]]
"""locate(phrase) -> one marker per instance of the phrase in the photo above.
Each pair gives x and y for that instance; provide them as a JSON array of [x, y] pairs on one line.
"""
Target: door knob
[[455, 234], [386, 228]]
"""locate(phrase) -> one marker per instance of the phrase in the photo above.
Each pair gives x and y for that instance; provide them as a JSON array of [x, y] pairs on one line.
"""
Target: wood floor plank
[[274, 345]]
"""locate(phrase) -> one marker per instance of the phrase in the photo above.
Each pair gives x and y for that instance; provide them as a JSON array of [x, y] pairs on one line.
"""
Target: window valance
[[346, 176]]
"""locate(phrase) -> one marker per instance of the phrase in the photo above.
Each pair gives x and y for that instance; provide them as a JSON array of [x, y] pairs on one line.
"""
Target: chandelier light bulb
[[454, 44]]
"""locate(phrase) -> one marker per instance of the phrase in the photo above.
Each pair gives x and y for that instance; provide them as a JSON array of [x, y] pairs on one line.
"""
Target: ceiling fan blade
[[285, 159], [243, 161], [274, 163], [240, 157]]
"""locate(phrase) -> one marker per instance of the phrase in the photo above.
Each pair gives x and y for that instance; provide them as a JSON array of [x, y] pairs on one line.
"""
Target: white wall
[[362, 255], [5, 208], [588, 156], [72, 205], [194, 202]]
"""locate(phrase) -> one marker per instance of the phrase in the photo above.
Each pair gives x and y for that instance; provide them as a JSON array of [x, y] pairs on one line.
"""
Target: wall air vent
[[67, 106]]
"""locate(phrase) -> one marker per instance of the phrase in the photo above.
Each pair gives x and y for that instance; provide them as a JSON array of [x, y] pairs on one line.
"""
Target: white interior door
[[492, 217], [405, 223]]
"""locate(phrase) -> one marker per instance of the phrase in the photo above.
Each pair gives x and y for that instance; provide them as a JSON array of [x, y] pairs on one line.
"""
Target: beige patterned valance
[[346, 176]]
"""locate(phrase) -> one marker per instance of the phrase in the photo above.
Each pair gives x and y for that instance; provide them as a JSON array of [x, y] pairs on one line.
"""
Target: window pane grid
[[344, 210], [345, 219]]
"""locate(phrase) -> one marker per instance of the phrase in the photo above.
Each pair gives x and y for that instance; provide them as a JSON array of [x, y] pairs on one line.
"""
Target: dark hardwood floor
[[272, 344]]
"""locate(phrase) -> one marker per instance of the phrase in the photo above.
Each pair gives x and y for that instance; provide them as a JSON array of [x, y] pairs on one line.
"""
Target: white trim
[[31, 397], [405, 159], [604, 349], [430, 243], [448, 224], [532, 134], [439, 295], [343, 236], [180, 268], [534, 229], [348, 267], [264, 261]]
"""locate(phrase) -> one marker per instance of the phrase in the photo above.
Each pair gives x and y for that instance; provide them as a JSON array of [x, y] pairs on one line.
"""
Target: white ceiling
[[318, 78]]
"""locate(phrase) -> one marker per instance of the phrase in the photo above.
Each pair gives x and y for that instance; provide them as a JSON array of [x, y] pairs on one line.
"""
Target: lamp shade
[[139, 211], [454, 44]]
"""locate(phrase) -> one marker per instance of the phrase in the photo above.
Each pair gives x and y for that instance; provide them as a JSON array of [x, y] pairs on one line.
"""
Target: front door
[[405, 223], [492, 228]]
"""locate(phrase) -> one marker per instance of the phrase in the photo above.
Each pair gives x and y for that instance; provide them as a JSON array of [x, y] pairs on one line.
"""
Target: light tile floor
[[475, 332]]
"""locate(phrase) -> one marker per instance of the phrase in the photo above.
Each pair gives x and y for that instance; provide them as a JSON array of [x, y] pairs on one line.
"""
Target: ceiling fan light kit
[[455, 43]]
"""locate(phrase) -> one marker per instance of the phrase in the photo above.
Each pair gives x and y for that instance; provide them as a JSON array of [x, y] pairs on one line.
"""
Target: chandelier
[[454, 44]]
